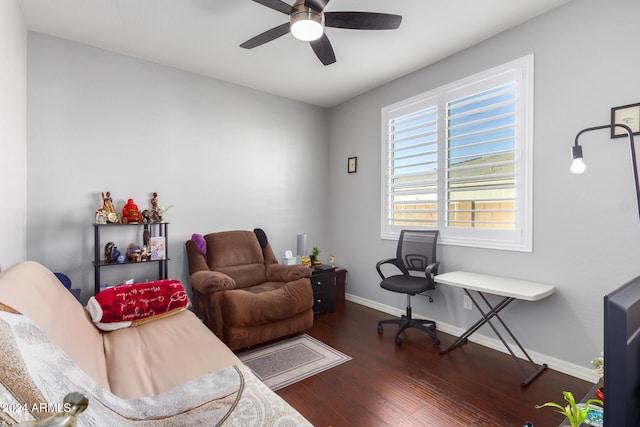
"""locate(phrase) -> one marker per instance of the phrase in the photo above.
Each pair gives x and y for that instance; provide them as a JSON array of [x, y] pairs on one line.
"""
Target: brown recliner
[[241, 292]]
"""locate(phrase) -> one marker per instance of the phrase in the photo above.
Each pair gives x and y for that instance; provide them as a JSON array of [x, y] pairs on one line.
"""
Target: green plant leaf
[[573, 412], [560, 409], [595, 401]]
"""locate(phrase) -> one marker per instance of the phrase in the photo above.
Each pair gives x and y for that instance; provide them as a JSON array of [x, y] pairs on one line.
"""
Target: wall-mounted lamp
[[578, 166]]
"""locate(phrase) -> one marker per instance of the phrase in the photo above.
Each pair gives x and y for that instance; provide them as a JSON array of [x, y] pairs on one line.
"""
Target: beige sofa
[[170, 371]]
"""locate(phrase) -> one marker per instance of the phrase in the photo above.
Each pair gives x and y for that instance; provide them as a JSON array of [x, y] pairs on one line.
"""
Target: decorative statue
[[157, 212], [107, 212], [146, 216], [108, 252], [117, 256], [145, 253], [130, 212], [108, 202], [101, 217], [134, 253], [146, 235]]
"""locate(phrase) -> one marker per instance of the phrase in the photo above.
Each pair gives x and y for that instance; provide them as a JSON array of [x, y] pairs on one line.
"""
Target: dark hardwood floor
[[412, 385]]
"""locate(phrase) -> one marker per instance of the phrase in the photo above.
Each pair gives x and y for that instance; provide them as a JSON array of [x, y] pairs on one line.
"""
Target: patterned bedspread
[[35, 375]]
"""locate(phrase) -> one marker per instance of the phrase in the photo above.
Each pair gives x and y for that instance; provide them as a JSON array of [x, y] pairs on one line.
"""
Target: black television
[[622, 356]]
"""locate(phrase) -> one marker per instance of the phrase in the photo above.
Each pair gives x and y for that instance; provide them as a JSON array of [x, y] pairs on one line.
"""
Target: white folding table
[[511, 290]]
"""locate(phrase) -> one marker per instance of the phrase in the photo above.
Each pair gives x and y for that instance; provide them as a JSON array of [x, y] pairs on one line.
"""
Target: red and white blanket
[[129, 305]]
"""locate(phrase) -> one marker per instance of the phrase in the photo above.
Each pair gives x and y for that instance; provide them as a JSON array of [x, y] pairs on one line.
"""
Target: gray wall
[[13, 135], [223, 156], [586, 228]]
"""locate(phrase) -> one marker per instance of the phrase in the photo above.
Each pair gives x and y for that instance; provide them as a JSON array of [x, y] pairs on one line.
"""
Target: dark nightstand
[[323, 282]]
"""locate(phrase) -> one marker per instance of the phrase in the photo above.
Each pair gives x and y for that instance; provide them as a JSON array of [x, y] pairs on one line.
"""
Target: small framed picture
[[352, 164], [626, 115]]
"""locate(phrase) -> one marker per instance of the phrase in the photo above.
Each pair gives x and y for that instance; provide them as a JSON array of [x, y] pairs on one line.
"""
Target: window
[[459, 159]]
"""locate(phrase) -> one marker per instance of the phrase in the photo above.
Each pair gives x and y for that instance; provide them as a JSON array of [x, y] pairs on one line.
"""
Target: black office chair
[[416, 252]]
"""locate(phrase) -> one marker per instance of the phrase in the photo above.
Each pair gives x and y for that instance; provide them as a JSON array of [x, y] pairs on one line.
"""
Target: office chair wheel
[[432, 327], [398, 340], [436, 341], [379, 328]]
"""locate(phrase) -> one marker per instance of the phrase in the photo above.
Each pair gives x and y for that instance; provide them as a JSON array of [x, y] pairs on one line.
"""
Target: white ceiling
[[203, 36]]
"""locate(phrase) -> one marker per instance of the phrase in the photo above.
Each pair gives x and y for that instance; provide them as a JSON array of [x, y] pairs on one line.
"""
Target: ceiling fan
[[307, 21]]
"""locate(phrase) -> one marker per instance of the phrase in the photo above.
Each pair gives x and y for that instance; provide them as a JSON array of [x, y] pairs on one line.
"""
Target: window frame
[[519, 239]]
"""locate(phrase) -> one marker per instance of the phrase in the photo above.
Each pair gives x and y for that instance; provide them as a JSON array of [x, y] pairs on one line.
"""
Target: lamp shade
[[302, 244]]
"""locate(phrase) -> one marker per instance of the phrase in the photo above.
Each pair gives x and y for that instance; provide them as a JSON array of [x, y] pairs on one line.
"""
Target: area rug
[[285, 362]]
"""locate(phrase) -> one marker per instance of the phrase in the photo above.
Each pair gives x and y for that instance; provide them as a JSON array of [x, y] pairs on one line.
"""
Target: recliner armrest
[[207, 282], [197, 261], [286, 273]]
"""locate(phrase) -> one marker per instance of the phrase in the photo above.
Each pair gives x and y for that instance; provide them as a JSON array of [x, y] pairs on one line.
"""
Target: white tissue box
[[291, 260]]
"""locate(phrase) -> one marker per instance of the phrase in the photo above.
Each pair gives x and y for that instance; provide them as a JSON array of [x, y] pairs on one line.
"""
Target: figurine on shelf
[[146, 216], [146, 235], [101, 216], [134, 253], [107, 202], [108, 252], [157, 212], [117, 256], [130, 213], [145, 255], [156, 215], [107, 212]]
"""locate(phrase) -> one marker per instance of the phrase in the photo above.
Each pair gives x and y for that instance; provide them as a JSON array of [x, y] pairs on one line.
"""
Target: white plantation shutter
[[459, 159], [481, 131], [412, 165]]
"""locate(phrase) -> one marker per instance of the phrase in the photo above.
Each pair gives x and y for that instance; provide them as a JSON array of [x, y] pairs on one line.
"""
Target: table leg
[[486, 319]]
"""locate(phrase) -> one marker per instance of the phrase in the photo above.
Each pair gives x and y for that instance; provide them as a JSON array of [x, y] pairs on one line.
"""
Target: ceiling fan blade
[[362, 20], [318, 5], [323, 50], [267, 36], [278, 5]]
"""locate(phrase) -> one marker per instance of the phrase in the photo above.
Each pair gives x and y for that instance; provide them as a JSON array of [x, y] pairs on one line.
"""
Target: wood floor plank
[[412, 385]]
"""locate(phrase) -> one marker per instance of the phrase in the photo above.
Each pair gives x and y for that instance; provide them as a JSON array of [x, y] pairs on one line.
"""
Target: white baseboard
[[574, 370]]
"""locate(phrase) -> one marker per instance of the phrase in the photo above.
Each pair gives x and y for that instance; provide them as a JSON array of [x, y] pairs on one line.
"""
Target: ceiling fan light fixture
[[307, 20], [307, 24]]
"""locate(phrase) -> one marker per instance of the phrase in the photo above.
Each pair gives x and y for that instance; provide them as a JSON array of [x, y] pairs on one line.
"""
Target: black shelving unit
[[99, 261]]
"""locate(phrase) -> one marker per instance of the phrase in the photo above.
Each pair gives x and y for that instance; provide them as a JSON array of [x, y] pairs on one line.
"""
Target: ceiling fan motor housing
[[306, 23]]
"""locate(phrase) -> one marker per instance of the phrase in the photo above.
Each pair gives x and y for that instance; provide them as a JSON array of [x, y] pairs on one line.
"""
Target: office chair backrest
[[417, 249]]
